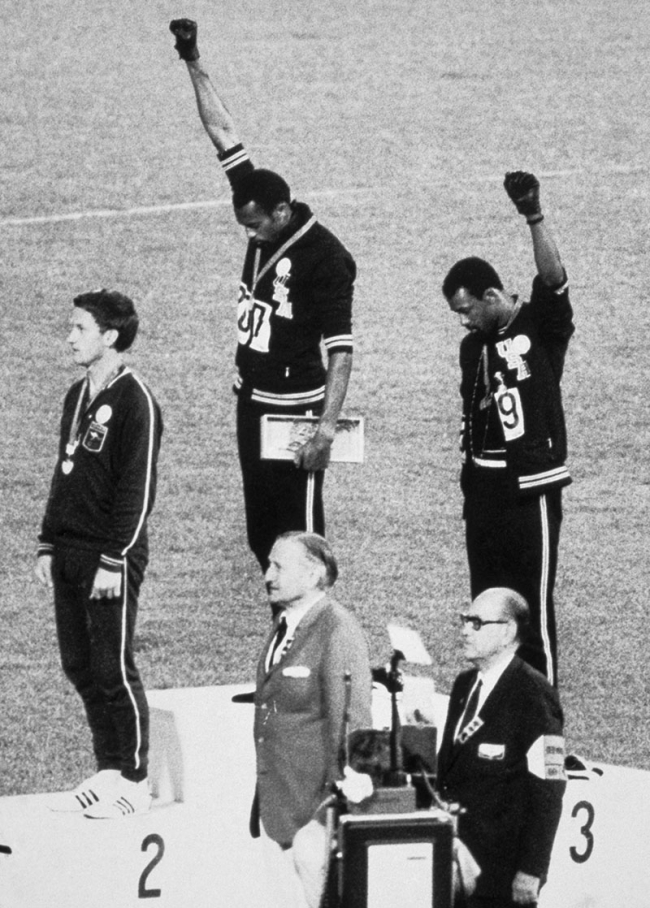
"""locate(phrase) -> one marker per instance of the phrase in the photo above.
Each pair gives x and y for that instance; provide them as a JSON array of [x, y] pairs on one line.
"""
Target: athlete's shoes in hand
[[88, 794], [126, 800]]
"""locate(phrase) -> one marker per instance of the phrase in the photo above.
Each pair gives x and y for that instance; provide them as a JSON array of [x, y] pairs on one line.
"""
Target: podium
[[192, 848], [389, 860]]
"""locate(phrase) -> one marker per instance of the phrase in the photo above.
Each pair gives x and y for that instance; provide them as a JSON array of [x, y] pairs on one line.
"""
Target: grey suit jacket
[[299, 715]]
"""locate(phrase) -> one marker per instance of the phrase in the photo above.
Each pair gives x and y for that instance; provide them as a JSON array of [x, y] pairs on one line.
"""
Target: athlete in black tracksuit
[[295, 293], [513, 437], [303, 298], [95, 524]]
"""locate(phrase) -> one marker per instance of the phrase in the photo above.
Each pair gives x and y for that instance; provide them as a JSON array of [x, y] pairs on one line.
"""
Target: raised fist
[[185, 31], [523, 190]]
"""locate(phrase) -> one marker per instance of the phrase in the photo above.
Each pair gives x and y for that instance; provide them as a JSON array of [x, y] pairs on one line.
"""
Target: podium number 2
[[157, 841]]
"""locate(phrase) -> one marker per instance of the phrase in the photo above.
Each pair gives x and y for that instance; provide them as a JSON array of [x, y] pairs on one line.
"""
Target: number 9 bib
[[510, 412]]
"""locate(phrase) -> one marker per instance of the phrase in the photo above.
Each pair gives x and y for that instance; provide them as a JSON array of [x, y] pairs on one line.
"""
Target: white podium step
[[202, 746], [193, 848]]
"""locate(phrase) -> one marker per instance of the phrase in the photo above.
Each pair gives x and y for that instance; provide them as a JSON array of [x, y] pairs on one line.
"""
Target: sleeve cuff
[[235, 162], [339, 343], [109, 563], [562, 287]]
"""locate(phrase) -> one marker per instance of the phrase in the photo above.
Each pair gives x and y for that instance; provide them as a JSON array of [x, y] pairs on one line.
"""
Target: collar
[[294, 616], [513, 315], [490, 678], [96, 385]]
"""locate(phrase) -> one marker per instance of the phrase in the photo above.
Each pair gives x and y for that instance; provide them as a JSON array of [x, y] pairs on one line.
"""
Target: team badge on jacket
[[95, 437], [513, 349], [280, 289]]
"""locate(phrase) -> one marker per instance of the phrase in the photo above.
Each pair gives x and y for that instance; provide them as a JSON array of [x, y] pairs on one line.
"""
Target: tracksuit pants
[[96, 646], [278, 497], [514, 543]]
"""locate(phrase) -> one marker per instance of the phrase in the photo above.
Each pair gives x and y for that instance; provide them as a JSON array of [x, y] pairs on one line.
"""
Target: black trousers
[[278, 497], [514, 543], [489, 902], [96, 646]]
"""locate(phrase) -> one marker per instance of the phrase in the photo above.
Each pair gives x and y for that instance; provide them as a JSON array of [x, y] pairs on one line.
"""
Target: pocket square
[[296, 671]]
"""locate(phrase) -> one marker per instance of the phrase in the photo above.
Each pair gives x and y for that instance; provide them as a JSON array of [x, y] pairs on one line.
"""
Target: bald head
[[493, 627], [511, 606]]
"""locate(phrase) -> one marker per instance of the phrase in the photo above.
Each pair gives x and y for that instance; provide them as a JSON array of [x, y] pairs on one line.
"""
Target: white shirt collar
[[491, 677], [294, 616]]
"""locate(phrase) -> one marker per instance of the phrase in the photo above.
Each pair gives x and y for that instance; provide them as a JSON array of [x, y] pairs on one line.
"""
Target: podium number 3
[[157, 841], [581, 856]]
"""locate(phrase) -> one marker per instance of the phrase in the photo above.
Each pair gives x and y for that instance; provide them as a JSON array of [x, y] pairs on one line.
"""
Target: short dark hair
[[112, 311], [474, 275], [317, 549], [264, 187]]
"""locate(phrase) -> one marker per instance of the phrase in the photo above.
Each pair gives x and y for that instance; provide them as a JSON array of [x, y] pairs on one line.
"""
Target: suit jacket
[[508, 774], [299, 715]]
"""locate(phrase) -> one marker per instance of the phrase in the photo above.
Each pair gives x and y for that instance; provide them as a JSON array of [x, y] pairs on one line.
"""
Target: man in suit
[[313, 685], [502, 754]]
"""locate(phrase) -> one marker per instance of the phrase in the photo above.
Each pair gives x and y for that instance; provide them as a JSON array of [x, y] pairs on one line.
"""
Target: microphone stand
[[396, 777]]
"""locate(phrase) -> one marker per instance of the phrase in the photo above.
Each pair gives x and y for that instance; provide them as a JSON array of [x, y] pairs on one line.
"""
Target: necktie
[[470, 709], [276, 646]]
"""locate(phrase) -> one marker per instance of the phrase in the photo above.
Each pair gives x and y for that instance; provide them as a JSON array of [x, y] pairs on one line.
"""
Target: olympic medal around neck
[[74, 437]]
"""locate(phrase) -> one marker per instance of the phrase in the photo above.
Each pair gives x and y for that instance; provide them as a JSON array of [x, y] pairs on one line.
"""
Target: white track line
[[147, 209], [221, 203]]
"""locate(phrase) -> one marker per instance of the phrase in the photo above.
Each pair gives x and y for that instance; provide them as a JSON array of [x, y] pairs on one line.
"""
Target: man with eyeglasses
[[502, 754]]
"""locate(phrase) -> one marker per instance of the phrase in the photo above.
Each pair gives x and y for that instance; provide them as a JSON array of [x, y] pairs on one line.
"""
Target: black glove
[[523, 190], [185, 31]]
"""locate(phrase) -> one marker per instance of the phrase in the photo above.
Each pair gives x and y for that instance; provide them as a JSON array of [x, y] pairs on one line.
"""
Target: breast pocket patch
[[95, 437], [296, 671], [492, 751]]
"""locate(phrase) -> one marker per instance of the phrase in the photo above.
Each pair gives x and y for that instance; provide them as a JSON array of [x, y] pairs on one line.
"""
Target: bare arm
[[315, 454], [547, 257], [214, 114], [43, 570]]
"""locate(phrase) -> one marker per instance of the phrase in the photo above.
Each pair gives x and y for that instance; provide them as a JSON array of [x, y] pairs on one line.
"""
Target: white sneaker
[[125, 800], [88, 793]]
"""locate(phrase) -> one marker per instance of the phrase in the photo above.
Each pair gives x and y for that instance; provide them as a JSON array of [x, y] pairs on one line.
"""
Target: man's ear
[[110, 337], [491, 296], [514, 632], [282, 213]]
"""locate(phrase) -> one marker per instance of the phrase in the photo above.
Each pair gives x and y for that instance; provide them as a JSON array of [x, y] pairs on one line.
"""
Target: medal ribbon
[[73, 439], [258, 275], [79, 410]]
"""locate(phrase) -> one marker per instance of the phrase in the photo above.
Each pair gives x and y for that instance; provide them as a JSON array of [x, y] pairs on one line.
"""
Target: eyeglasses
[[476, 622]]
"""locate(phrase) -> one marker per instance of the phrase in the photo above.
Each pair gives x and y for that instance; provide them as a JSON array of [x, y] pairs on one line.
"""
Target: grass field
[[396, 120]]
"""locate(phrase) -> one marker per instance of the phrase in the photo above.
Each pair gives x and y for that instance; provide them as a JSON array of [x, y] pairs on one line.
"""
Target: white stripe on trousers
[[311, 491], [543, 589], [309, 509], [138, 721]]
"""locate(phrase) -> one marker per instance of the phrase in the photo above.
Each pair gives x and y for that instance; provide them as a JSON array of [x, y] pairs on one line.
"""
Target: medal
[[73, 437], [104, 414]]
